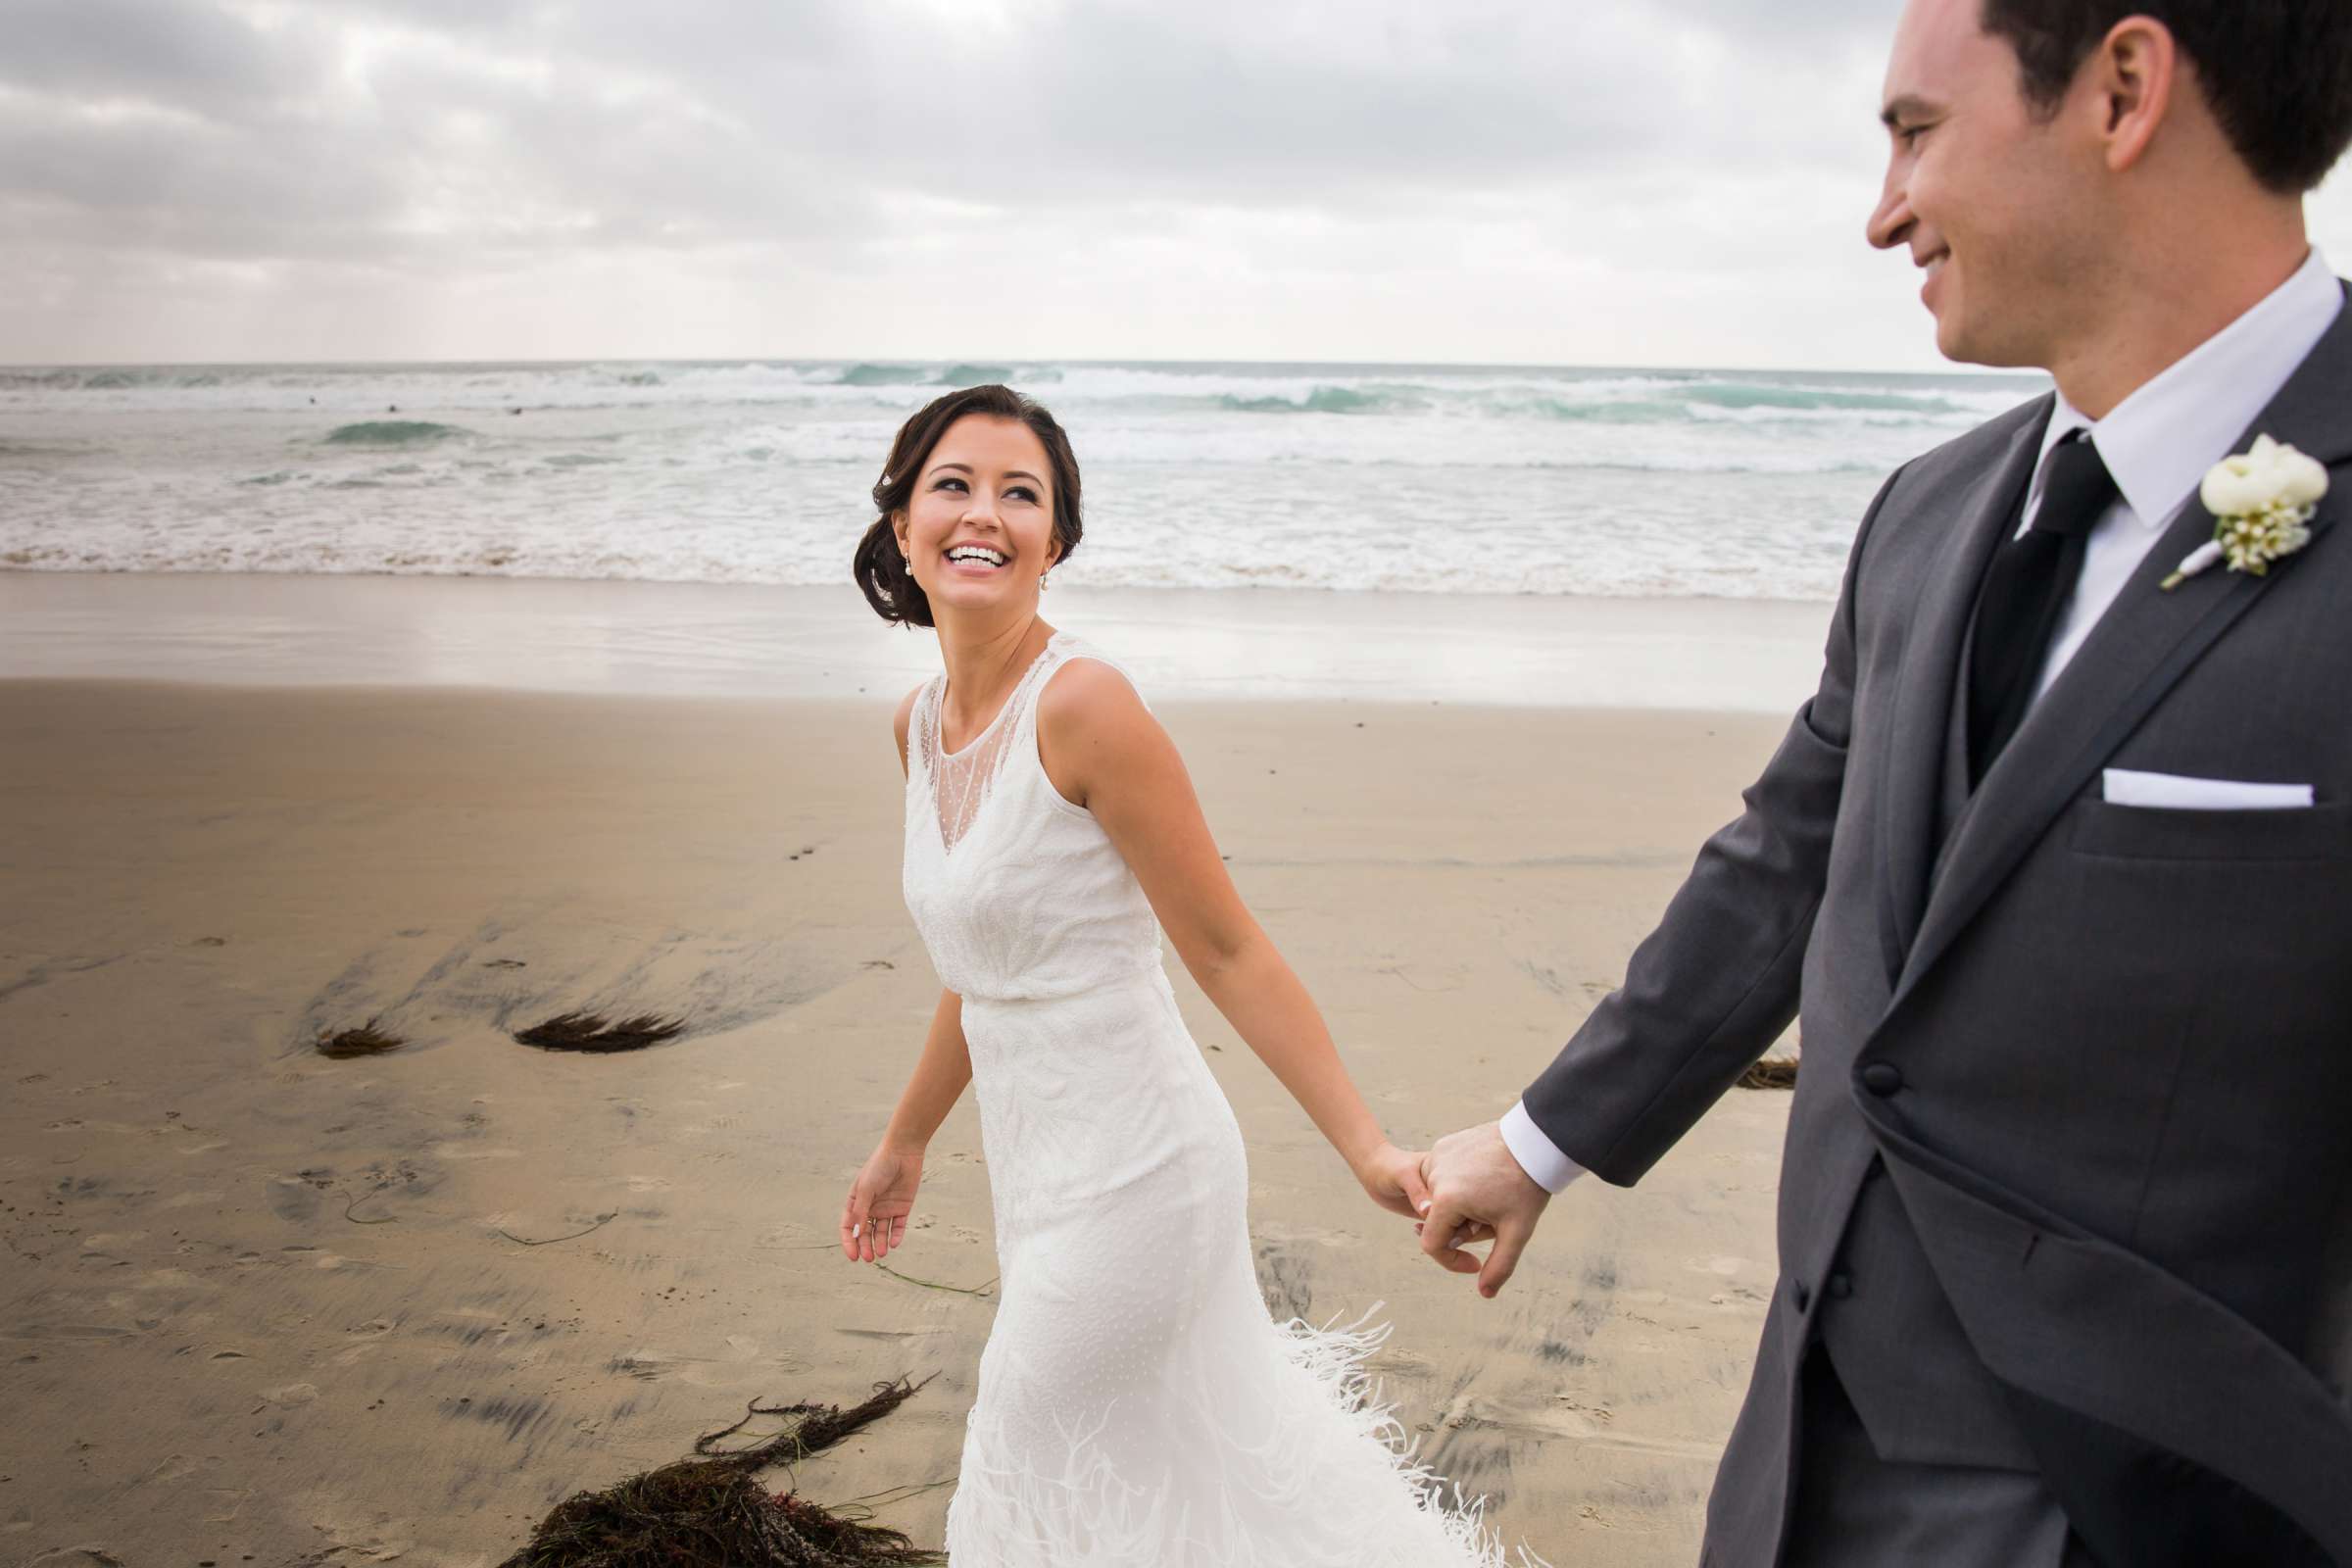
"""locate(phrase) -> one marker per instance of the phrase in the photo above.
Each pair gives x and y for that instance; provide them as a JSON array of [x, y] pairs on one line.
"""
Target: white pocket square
[[2176, 792]]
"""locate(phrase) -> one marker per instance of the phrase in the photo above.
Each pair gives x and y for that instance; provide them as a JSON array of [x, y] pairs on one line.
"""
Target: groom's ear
[[2130, 80]]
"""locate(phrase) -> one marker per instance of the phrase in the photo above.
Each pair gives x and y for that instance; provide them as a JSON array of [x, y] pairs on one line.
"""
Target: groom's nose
[[1892, 222]]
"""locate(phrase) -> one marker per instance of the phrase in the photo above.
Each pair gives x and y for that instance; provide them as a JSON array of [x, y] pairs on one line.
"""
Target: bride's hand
[[1392, 1178], [874, 1220]]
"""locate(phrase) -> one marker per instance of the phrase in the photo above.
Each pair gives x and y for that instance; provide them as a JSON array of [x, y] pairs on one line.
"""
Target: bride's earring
[[1044, 581]]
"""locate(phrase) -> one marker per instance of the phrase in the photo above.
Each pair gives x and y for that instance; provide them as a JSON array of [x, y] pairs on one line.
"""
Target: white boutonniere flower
[[2262, 501]]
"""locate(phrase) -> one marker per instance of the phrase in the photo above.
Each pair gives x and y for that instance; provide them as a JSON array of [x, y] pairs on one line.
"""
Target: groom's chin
[[1956, 343], [1951, 339]]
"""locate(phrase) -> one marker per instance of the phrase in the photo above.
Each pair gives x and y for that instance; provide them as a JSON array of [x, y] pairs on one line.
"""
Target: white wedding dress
[[1138, 1406]]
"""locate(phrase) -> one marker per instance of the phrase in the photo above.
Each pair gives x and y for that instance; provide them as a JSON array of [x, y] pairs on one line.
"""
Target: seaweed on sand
[[1773, 1072], [711, 1512], [589, 1031], [366, 1040]]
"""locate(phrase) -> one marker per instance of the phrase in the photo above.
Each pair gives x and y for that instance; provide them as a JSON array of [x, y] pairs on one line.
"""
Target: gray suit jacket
[[2067, 1182]]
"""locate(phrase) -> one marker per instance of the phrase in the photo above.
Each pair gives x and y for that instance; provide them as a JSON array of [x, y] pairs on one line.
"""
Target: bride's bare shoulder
[[1087, 694], [1093, 728]]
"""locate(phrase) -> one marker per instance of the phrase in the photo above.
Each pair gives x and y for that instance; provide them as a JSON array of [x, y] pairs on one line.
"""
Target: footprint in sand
[[172, 1467], [293, 1199], [110, 1241]]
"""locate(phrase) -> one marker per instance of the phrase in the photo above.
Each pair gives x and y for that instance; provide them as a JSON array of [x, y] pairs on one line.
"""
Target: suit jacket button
[[1802, 1296], [1840, 1286], [1881, 1078]]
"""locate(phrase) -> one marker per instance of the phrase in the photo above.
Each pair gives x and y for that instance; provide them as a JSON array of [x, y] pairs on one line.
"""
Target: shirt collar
[[2159, 441]]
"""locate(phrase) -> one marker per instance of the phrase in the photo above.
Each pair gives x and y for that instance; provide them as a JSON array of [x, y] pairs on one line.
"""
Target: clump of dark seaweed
[[589, 1031], [711, 1512], [1773, 1072], [366, 1040]]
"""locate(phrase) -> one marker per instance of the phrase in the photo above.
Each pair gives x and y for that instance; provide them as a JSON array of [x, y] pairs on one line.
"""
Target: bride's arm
[[1102, 749], [873, 1221], [939, 1076]]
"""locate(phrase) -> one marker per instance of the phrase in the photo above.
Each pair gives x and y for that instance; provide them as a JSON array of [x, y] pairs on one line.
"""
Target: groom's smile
[[1934, 267]]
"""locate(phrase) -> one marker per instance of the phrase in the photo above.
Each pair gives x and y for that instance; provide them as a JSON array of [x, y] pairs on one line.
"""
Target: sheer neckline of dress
[[938, 707], [960, 782]]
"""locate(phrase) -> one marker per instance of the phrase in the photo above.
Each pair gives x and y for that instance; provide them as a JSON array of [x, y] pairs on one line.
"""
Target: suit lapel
[[1952, 801], [1927, 681], [2142, 645]]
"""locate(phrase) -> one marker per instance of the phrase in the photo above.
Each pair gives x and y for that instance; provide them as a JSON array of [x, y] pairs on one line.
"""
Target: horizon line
[[950, 360]]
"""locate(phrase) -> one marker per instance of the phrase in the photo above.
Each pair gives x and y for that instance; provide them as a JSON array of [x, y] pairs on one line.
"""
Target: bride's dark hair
[[879, 566]]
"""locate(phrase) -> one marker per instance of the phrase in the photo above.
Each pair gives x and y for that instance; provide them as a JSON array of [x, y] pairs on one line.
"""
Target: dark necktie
[[2027, 584]]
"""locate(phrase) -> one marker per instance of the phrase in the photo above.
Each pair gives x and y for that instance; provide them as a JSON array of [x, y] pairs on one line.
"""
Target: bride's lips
[[972, 569]]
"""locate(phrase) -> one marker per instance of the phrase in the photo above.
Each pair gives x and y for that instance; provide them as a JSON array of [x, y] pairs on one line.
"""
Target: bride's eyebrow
[[966, 467]]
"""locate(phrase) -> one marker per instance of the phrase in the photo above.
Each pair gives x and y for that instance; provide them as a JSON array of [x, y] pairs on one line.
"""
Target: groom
[[2055, 866]]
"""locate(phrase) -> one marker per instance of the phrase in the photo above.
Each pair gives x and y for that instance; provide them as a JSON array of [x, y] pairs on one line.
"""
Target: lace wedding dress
[[1138, 1406]]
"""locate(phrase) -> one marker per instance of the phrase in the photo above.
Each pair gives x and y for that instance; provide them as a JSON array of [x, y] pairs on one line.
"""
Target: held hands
[[1477, 1191], [1392, 1176], [874, 1220]]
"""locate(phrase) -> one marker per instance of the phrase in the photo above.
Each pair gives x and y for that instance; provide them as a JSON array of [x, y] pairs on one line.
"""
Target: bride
[[1137, 1405]]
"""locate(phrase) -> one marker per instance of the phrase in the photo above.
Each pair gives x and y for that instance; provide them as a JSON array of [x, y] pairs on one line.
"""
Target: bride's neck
[[983, 662]]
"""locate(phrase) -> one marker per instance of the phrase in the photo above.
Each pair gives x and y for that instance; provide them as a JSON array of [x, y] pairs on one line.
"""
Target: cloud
[[202, 58], [244, 179]]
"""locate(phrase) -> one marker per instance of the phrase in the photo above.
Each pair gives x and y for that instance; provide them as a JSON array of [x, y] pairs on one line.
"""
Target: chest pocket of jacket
[[2100, 827]]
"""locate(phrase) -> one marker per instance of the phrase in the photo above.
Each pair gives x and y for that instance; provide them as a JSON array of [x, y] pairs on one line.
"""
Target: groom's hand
[[1476, 1189]]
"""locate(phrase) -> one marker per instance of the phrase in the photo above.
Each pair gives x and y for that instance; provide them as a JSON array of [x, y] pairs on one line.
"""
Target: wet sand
[[265, 1306], [699, 639]]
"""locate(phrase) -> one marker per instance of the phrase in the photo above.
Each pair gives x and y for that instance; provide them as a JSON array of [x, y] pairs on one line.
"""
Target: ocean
[[1627, 483]]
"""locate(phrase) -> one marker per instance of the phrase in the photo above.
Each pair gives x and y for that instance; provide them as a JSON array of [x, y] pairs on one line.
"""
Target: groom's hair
[[2278, 73]]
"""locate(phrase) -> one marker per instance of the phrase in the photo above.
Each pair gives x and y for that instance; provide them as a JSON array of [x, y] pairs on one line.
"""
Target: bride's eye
[[946, 482], [1024, 492]]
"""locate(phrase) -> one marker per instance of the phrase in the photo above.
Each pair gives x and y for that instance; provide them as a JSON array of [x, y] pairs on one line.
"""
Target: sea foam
[[1365, 477]]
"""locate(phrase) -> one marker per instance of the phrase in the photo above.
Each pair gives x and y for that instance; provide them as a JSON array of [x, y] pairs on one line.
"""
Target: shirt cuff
[[1536, 1154]]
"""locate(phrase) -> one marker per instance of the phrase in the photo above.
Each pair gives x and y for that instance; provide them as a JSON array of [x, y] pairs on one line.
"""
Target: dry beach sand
[[261, 1305]]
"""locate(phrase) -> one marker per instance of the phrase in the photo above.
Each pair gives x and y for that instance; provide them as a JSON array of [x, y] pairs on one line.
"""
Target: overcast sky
[[1611, 182]]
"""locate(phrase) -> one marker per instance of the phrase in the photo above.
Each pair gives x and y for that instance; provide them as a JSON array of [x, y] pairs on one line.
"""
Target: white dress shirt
[[2157, 444]]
